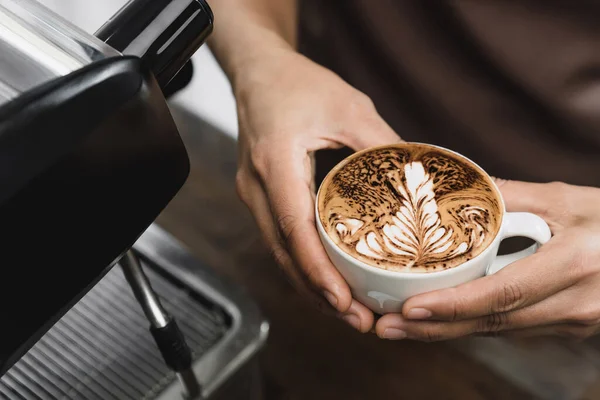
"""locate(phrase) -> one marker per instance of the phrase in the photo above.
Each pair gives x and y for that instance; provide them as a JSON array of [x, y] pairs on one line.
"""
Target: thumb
[[524, 196], [371, 131]]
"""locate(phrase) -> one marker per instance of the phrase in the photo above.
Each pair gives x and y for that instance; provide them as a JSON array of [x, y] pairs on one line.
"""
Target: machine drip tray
[[102, 349]]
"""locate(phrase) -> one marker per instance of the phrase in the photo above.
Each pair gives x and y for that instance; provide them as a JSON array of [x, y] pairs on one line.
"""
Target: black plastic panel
[[87, 163], [164, 33]]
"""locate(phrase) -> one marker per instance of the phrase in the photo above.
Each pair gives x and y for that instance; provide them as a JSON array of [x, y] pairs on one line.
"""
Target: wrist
[[243, 42], [262, 69]]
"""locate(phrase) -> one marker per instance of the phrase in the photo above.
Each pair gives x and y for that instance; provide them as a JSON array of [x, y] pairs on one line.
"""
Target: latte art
[[416, 231], [413, 210]]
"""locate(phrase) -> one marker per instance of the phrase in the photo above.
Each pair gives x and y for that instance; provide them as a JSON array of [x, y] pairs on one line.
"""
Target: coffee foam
[[412, 208]]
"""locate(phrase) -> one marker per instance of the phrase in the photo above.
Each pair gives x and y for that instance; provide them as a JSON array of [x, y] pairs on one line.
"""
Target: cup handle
[[520, 224]]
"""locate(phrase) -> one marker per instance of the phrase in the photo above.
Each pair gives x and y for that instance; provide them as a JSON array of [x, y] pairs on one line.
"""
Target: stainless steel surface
[[248, 332], [37, 45], [101, 349], [142, 290], [7, 92]]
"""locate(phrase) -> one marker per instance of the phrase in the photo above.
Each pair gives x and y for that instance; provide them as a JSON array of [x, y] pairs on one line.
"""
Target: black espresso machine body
[[88, 158]]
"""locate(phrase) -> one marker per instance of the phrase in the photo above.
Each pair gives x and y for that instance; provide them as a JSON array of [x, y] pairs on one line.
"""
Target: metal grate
[[101, 349]]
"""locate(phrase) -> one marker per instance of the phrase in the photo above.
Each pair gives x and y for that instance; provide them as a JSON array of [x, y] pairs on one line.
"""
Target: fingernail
[[352, 320], [331, 298], [418, 313], [394, 334]]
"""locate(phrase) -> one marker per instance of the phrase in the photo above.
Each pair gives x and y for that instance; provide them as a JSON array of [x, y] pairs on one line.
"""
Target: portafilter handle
[[164, 33]]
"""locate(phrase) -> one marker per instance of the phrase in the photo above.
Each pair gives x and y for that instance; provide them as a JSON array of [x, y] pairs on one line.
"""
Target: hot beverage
[[410, 208]]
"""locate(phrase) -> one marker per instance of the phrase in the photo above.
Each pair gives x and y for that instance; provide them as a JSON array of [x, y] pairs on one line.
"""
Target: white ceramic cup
[[385, 291]]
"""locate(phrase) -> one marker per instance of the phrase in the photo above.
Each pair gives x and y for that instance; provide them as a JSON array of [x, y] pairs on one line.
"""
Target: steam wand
[[164, 329]]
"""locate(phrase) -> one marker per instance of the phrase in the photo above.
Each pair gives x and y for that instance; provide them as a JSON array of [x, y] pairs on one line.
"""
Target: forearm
[[251, 30]]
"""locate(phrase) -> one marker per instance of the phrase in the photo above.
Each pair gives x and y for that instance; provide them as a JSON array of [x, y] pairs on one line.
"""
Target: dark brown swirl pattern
[[410, 207]]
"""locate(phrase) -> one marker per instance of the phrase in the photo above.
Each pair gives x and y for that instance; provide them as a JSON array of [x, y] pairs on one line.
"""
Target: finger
[[390, 326], [370, 130], [395, 326], [522, 196], [256, 201], [524, 282], [435, 334], [546, 200], [537, 198], [555, 310], [359, 317], [287, 183]]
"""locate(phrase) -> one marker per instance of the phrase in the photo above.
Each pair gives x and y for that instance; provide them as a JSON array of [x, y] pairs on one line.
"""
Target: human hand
[[289, 107], [552, 292]]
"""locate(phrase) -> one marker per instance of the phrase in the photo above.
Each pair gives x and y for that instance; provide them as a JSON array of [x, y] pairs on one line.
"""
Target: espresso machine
[[89, 157]]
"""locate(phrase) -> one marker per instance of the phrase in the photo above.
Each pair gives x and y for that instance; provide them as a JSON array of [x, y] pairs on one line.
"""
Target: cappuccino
[[410, 208]]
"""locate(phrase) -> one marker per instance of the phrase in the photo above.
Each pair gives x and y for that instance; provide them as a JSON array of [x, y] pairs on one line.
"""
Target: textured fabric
[[513, 85]]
